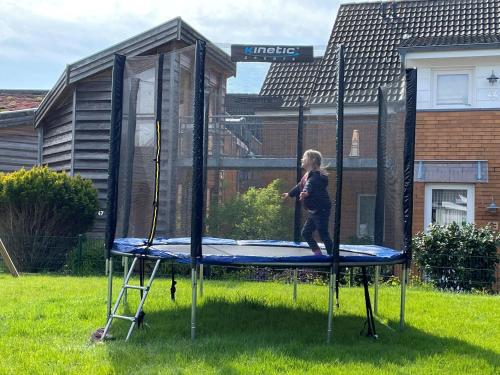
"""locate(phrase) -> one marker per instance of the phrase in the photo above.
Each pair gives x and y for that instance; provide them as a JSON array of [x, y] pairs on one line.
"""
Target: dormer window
[[452, 88]]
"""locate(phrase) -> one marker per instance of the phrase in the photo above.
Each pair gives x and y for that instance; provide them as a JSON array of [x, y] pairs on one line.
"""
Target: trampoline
[[227, 252], [163, 141]]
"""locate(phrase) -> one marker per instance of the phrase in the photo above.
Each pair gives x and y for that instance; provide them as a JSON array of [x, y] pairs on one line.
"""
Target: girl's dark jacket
[[315, 183]]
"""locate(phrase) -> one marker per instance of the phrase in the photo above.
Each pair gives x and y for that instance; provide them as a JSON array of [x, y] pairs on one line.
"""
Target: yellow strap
[[157, 184]]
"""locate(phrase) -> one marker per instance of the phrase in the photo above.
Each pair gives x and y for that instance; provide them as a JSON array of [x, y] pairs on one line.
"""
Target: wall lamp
[[492, 207], [492, 79]]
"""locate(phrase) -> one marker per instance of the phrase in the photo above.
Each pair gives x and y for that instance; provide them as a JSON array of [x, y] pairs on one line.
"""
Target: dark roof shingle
[[373, 32], [476, 41], [290, 81]]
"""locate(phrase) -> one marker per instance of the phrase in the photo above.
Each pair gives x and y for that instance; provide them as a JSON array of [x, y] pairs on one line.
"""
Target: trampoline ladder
[[144, 291]]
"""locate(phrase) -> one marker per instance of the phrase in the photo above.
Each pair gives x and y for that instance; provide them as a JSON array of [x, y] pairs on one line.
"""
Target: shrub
[[457, 257], [87, 257], [41, 213], [258, 213]]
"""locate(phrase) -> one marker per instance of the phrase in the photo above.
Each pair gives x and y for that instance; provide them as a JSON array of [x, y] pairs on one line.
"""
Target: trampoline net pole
[[339, 156], [375, 289], [201, 280], [193, 303], [110, 286], [331, 294], [404, 278], [114, 150], [298, 170], [113, 166], [409, 159], [197, 183], [295, 276], [125, 272], [381, 164], [198, 147]]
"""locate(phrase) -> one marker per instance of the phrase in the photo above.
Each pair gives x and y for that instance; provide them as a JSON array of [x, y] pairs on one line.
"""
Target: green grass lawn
[[244, 327]]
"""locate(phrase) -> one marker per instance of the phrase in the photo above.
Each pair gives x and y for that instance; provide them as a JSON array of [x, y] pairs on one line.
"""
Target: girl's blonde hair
[[315, 158]]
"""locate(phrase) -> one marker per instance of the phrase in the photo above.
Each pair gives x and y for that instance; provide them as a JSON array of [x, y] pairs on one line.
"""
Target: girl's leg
[[307, 233], [322, 219]]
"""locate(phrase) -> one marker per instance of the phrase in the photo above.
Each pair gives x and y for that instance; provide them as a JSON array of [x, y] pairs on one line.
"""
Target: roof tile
[[372, 34], [15, 100]]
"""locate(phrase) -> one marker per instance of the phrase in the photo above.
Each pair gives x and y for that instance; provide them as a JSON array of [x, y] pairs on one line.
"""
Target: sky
[[38, 38]]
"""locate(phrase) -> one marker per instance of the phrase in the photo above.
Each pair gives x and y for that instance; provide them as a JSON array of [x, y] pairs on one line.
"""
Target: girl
[[312, 192]]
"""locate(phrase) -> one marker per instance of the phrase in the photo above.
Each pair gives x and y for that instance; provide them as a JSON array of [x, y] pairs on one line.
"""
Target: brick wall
[[472, 135]]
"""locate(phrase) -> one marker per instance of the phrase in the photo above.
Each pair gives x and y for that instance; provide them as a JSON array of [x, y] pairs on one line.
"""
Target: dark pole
[[381, 145], [114, 165], [205, 152], [114, 149], [198, 190], [409, 158], [300, 142], [339, 156], [334, 269], [198, 145]]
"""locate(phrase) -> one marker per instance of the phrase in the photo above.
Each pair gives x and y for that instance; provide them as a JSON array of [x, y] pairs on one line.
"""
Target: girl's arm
[[311, 184], [295, 191]]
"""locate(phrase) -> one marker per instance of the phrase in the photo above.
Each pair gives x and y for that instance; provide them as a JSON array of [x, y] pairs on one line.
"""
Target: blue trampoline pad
[[227, 252]]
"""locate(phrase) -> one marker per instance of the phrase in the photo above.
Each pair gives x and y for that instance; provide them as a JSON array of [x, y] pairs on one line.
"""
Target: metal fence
[[84, 256]]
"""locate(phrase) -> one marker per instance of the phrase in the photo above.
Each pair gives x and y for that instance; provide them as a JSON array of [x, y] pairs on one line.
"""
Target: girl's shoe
[[317, 252]]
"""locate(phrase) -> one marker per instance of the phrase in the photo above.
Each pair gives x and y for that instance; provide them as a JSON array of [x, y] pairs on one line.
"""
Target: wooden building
[[74, 117], [18, 139]]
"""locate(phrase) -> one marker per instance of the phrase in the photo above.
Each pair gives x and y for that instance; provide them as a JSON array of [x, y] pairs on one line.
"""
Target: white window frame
[[428, 200], [358, 210], [434, 93]]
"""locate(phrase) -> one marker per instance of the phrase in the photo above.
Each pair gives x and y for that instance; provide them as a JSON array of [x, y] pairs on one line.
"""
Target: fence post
[[79, 254]]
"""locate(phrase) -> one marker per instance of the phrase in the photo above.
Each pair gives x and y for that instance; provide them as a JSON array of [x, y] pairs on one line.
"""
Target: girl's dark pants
[[318, 220]]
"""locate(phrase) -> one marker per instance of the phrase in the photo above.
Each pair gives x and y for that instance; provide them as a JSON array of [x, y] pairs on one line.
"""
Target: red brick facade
[[464, 135]]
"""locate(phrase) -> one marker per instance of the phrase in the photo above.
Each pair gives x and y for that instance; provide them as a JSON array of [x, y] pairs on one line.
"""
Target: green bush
[[88, 258], [41, 214], [457, 257], [255, 214]]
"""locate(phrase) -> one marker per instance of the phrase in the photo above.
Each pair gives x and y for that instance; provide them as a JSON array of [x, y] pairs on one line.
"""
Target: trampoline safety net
[[251, 143]]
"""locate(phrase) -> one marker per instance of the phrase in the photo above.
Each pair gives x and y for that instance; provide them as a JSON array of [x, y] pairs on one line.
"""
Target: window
[[366, 215], [453, 88], [446, 204]]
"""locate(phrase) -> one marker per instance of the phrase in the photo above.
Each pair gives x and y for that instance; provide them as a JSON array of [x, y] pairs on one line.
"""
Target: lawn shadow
[[227, 330]]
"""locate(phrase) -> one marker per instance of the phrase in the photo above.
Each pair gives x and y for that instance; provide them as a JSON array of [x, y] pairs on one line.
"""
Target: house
[[454, 45], [18, 139], [74, 117]]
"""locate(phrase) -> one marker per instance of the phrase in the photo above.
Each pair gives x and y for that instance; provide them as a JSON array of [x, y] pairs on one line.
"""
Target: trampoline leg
[[110, 285], [375, 290], [193, 302], [201, 280], [295, 274], [125, 272], [404, 280], [331, 294]]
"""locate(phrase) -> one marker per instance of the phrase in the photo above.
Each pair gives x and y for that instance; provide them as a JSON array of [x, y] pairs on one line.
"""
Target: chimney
[[354, 144]]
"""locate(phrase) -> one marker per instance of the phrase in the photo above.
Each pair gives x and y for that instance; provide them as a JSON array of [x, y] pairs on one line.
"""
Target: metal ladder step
[[136, 287], [116, 316]]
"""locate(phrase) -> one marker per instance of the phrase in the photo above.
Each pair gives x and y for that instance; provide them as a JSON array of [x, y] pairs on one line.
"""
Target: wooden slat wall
[[57, 133], [18, 147], [92, 121]]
